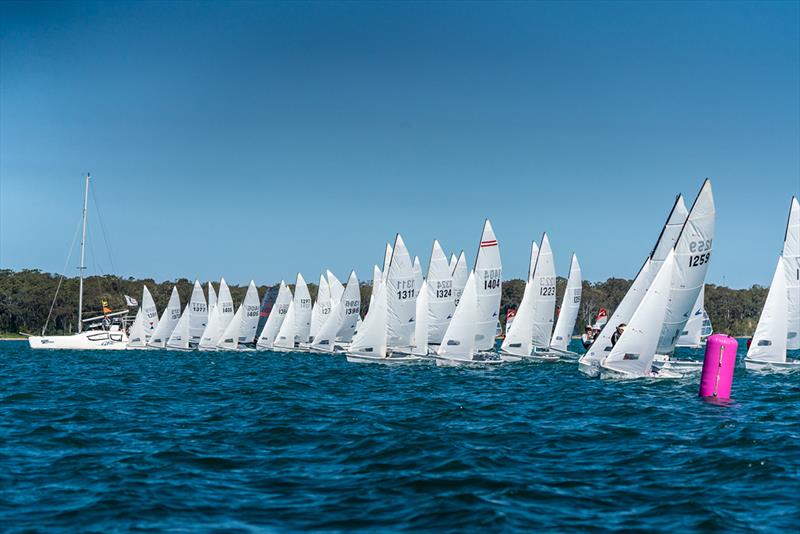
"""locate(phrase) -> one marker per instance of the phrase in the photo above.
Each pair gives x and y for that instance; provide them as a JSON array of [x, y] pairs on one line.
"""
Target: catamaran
[[778, 325], [589, 363]]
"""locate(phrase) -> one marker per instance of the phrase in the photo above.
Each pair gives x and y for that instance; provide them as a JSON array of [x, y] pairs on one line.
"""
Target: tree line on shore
[[26, 297]]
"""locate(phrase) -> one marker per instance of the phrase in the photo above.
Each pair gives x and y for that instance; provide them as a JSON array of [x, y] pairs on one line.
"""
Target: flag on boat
[[602, 318], [130, 301]]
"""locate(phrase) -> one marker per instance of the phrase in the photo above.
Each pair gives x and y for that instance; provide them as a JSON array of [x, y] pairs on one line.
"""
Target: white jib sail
[[519, 339], [170, 317], [336, 287], [635, 350], [459, 340], [322, 308], [421, 324], [325, 339], [570, 305], [276, 317], [544, 295], [401, 298], [198, 313], [460, 275], [441, 300], [212, 297], [224, 307], [136, 336], [791, 261], [488, 275], [179, 339], [351, 307], [370, 340], [769, 339], [624, 311], [211, 334], [302, 309], [377, 279], [691, 336], [417, 274], [149, 314], [692, 255]]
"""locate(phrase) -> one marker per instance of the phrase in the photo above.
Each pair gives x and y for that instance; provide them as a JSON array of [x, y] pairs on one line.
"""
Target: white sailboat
[[188, 331], [488, 275], [336, 287], [275, 317], [422, 324], [145, 323], [589, 363], [95, 337], [692, 334], [351, 307], [219, 317], [767, 350], [169, 319], [568, 313], [297, 323], [369, 343], [401, 299], [791, 260], [240, 333], [633, 354], [693, 251], [340, 324], [212, 296], [322, 307], [440, 299]]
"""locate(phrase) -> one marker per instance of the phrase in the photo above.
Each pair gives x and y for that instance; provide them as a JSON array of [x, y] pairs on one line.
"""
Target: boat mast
[[82, 268]]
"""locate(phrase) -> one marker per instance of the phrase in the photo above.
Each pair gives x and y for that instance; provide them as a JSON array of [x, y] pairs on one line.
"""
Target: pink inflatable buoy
[[718, 365]]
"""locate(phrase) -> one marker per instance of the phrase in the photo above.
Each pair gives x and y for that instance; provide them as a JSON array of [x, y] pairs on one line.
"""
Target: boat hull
[[89, 340], [776, 367]]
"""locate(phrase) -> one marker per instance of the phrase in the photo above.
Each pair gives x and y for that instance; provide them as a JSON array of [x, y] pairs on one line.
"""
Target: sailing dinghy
[[189, 330], [240, 334], [297, 323], [589, 363], [697, 328], [145, 322], [337, 331], [439, 304], [568, 313], [274, 308], [169, 319]]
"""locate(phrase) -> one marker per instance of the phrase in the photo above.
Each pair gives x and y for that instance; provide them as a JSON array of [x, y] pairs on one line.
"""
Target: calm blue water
[[261, 441]]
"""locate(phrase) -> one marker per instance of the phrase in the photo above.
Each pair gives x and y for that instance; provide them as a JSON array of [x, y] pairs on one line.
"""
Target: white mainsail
[[287, 333], [460, 275], [570, 305], [544, 296], [401, 298], [387, 257], [302, 311], [421, 326], [459, 340], [791, 260], [242, 328], [635, 350], [351, 308], [624, 311], [136, 336], [169, 319], [224, 307], [198, 313], [322, 307], [519, 339], [692, 255], [769, 340], [275, 318], [149, 314], [370, 340], [441, 300], [417, 274], [692, 334], [488, 275]]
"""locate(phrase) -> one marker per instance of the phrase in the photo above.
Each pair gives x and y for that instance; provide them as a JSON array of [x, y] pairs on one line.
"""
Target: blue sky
[[253, 140]]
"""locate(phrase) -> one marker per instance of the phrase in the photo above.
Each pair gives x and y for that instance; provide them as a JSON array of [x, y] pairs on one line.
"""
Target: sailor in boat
[[617, 333], [588, 337]]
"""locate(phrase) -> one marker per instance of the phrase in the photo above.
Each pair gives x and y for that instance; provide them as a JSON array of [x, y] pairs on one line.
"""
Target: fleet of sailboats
[[449, 313]]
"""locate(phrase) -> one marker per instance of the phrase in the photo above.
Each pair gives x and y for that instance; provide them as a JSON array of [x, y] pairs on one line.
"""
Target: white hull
[[678, 366], [589, 369], [613, 374], [390, 359], [89, 340], [478, 359], [778, 367]]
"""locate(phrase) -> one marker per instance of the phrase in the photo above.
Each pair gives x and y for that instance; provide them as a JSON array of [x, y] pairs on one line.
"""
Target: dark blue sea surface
[[256, 441]]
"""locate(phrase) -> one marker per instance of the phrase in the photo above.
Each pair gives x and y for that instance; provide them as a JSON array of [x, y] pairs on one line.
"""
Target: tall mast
[[82, 268]]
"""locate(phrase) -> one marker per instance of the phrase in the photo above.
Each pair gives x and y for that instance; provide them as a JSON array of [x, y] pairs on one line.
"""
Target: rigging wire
[[63, 274], [103, 230]]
